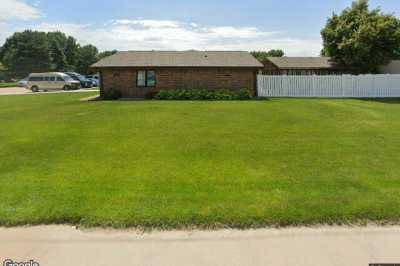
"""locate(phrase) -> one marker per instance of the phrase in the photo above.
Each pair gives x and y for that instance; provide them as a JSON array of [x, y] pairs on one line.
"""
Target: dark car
[[85, 83]]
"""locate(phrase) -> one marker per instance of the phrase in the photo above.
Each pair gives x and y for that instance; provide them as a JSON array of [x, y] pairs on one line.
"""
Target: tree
[[106, 54], [57, 44], [26, 52], [262, 55], [33, 51], [396, 55], [3, 73], [71, 52], [362, 38], [87, 56]]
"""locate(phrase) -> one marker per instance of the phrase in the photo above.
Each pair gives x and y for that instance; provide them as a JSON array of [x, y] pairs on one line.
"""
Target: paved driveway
[[22, 91], [13, 91], [63, 245]]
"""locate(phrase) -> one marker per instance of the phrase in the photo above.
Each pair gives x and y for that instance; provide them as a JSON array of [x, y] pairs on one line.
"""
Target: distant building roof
[[179, 59], [303, 62], [392, 68]]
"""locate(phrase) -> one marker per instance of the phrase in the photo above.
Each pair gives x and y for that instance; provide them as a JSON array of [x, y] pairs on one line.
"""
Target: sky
[[291, 25]]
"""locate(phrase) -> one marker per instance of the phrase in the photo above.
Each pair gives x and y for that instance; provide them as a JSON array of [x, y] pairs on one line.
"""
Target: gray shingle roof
[[179, 59], [303, 62]]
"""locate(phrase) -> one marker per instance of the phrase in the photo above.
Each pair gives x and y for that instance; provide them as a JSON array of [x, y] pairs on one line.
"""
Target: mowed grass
[[8, 84], [204, 164]]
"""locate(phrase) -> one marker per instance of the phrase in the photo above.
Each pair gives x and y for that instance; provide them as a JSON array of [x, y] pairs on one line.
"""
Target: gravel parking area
[[23, 91]]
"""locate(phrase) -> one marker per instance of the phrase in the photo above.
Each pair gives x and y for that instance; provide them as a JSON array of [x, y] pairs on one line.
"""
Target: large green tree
[[26, 52], [33, 51], [57, 44], [88, 55], [397, 55], [71, 52], [3, 73], [263, 55], [362, 38]]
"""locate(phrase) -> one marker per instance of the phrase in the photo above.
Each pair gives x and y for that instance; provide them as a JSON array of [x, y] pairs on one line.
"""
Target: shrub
[[112, 94], [244, 94], [201, 94], [162, 95]]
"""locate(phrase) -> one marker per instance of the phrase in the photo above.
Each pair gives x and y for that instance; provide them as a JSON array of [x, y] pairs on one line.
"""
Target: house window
[[151, 78], [146, 78]]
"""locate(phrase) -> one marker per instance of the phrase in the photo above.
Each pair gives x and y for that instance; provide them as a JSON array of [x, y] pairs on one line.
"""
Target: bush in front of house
[[201, 94], [112, 94]]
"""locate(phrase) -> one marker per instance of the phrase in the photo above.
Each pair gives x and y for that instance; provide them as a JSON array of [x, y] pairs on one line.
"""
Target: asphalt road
[[23, 91], [64, 245]]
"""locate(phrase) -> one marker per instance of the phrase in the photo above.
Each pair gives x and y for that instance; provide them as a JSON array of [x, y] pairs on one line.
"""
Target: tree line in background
[[262, 56], [33, 51]]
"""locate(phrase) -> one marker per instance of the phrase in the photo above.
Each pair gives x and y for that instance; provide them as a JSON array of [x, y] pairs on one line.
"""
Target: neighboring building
[[392, 68], [139, 73], [303, 66]]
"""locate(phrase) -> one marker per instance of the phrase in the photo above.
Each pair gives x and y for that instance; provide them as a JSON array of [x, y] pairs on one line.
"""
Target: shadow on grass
[[261, 99], [382, 100]]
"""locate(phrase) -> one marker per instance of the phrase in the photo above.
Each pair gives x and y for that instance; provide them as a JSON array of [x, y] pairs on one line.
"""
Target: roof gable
[[179, 59]]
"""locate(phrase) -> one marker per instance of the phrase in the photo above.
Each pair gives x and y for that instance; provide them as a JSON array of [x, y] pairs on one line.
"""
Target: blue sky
[[292, 25]]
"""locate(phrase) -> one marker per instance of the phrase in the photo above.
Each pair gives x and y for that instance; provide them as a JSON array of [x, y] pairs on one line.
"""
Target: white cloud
[[76, 30], [142, 34], [17, 9], [4, 32], [234, 32]]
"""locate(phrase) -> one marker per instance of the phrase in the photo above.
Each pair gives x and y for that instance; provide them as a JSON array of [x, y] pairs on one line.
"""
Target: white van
[[51, 81]]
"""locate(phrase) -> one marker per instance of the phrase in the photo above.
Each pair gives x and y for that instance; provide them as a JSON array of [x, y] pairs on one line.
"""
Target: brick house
[[303, 66], [140, 73]]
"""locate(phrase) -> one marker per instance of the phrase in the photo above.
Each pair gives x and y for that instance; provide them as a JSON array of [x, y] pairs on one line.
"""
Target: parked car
[[22, 83], [95, 76], [95, 82], [51, 81], [85, 83]]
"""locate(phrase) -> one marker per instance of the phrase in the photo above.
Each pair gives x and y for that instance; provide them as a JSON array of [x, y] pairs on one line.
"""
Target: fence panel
[[345, 86]]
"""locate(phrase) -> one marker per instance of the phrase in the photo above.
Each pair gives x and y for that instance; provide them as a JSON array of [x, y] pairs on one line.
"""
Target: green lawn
[[206, 164], [8, 84]]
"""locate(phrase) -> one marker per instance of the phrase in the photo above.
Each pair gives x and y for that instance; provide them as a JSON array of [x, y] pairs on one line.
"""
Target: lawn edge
[[360, 223]]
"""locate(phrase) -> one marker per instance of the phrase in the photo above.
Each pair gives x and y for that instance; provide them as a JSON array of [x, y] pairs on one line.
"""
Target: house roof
[[179, 59], [303, 62], [392, 68]]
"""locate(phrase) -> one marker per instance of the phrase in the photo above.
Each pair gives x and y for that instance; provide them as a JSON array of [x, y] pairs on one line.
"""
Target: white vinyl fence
[[345, 86]]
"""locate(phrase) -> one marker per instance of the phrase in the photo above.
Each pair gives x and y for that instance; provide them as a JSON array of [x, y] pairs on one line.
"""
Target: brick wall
[[174, 78]]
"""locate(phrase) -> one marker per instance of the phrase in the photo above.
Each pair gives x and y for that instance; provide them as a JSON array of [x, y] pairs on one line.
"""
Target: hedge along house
[[138, 74]]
